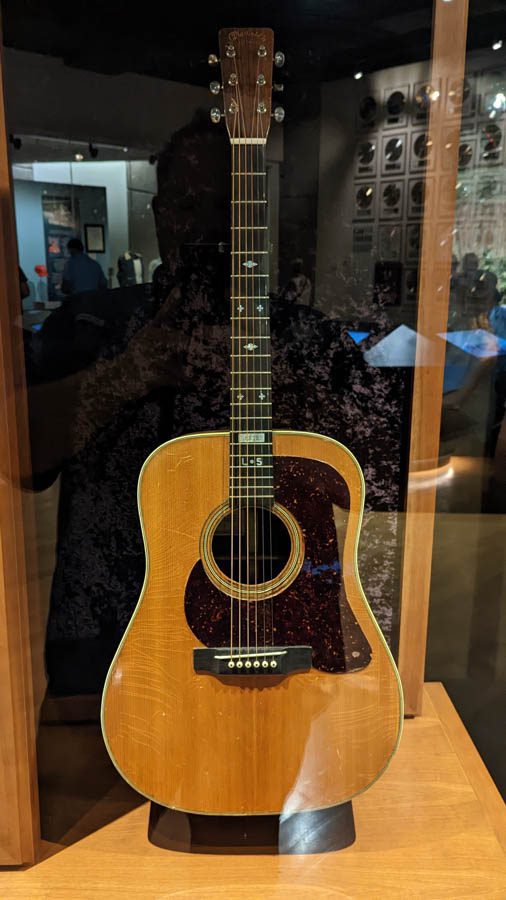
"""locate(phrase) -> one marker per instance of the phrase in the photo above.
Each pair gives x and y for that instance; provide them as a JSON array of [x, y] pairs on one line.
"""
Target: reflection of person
[[116, 374], [298, 289], [81, 273], [24, 288], [497, 318], [472, 355], [130, 269]]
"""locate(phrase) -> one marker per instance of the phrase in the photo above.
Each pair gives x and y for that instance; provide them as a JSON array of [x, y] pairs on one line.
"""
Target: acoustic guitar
[[253, 677]]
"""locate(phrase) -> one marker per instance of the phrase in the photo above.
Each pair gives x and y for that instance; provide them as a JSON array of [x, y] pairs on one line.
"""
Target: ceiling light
[[358, 75], [497, 45]]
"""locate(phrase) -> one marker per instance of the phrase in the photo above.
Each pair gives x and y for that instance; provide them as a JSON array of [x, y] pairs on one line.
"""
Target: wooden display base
[[316, 832], [431, 827]]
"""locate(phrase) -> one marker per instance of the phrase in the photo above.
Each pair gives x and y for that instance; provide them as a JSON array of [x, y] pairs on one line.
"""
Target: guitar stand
[[321, 831]]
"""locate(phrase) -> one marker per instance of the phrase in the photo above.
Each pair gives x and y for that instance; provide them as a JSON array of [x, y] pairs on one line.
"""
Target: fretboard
[[251, 473]]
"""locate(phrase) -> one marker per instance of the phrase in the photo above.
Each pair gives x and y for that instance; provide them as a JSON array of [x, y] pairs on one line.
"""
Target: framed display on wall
[[94, 238]]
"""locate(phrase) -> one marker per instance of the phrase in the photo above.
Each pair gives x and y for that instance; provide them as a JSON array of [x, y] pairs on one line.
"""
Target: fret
[[247, 496], [245, 275], [260, 475], [249, 468], [249, 201], [250, 227], [254, 252]]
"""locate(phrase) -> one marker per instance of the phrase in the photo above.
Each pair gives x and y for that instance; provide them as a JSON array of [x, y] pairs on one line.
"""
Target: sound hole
[[260, 547]]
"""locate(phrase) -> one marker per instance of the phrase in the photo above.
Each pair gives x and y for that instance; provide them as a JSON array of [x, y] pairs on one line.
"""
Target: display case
[[252, 483]]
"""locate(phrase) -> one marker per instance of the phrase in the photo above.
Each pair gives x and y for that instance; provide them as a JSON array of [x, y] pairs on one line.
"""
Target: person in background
[[24, 287], [81, 273]]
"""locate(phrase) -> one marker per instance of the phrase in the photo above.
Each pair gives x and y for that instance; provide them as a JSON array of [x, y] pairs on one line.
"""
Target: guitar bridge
[[256, 662]]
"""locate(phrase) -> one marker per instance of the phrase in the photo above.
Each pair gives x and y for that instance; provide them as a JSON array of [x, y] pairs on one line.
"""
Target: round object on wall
[[392, 195], [367, 110], [393, 149], [491, 137], [465, 155], [366, 152], [423, 97], [396, 103], [364, 196], [418, 193], [422, 146]]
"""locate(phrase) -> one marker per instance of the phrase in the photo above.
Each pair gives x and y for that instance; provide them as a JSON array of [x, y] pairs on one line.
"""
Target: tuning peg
[[212, 59], [279, 59], [216, 115], [278, 87], [278, 114], [215, 87]]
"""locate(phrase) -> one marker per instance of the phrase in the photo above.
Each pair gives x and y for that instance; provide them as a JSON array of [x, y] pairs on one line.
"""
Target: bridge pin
[[273, 664], [248, 664], [256, 664], [265, 664], [231, 664], [239, 664]]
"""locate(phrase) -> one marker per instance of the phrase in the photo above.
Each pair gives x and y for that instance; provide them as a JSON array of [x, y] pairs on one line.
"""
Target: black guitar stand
[[322, 831]]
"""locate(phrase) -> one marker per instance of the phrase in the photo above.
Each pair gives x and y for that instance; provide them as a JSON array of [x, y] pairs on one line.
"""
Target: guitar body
[[238, 745]]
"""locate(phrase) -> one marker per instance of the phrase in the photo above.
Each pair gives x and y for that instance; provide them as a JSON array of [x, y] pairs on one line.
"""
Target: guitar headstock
[[247, 57]]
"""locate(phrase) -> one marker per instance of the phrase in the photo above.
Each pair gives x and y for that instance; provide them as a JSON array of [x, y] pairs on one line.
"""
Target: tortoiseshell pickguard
[[313, 609]]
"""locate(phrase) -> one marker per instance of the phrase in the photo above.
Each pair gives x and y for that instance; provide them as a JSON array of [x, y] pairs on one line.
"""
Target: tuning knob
[[215, 87], [279, 59], [212, 59], [216, 115], [278, 114], [278, 87]]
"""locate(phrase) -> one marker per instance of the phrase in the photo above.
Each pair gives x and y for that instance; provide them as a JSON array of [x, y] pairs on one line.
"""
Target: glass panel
[[124, 203], [467, 636]]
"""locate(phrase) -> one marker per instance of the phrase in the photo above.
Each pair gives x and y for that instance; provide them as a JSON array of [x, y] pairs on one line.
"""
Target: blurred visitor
[[81, 273]]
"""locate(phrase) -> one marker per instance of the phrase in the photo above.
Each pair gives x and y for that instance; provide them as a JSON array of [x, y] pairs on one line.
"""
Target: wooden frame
[[19, 811], [448, 60]]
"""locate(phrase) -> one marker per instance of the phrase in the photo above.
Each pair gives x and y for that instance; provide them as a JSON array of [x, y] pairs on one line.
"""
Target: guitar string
[[239, 370], [232, 401], [243, 370], [255, 168], [238, 362]]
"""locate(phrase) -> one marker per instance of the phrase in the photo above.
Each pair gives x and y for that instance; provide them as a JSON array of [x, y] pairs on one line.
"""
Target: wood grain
[[421, 830], [448, 61], [470, 759], [196, 743], [18, 780]]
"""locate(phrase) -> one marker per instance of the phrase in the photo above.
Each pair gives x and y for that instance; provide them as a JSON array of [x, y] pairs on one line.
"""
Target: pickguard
[[314, 609]]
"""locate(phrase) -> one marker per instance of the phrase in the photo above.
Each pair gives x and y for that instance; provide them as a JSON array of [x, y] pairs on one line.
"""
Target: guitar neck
[[251, 470]]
